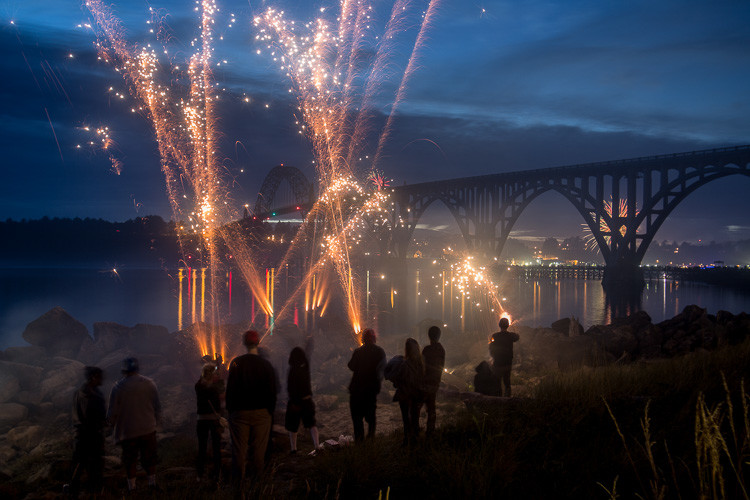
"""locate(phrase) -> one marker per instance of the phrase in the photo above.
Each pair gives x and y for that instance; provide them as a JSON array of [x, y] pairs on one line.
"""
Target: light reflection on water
[[158, 296]]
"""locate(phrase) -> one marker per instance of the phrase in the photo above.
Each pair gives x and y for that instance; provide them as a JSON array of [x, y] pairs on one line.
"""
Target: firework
[[337, 83], [604, 227]]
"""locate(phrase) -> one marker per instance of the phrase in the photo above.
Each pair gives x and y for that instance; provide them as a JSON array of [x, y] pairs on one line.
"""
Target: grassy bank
[[664, 429], [667, 429]]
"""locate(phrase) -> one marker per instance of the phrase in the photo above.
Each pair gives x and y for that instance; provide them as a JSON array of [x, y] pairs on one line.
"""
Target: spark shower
[[341, 68]]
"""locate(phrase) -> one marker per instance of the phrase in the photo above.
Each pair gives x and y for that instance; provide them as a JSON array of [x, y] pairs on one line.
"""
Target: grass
[[665, 429]]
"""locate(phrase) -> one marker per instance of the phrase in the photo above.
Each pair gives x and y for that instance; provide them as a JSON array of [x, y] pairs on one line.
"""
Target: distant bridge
[[623, 202]]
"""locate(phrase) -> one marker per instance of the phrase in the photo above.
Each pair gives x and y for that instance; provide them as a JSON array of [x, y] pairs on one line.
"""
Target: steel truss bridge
[[623, 202]]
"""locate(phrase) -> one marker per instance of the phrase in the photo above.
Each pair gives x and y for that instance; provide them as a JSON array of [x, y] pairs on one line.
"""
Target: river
[[158, 296]]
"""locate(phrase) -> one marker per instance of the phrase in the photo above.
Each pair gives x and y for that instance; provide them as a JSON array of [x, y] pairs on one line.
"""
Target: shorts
[[295, 412]]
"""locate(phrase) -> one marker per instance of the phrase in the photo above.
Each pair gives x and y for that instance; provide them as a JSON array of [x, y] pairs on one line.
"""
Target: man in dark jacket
[[134, 410], [501, 350], [434, 361], [89, 417], [367, 363], [250, 401]]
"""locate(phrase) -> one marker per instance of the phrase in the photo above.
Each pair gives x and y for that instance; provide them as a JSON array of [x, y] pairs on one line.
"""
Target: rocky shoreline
[[37, 381]]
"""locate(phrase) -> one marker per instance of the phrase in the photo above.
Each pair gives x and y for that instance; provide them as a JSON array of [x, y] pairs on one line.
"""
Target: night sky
[[501, 86]]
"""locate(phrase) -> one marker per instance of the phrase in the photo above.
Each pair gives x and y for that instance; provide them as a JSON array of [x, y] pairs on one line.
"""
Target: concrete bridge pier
[[623, 275]]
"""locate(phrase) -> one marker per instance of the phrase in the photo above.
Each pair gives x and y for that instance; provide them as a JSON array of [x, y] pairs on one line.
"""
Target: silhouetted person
[[434, 362], [89, 418], [367, 363], [501, 350], [410, 390], [250, 400], [485, 381], [208, 392], [134, 410], [300, 405]]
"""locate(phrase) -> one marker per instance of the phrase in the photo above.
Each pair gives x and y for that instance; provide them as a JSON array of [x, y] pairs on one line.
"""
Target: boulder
[[57, 332], [28, 376], [61, 379], [25, 437], [11, 414], [9, 386], [29, 355], [568, 326]]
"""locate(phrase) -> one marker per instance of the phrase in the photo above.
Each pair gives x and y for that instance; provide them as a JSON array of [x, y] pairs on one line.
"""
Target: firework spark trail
[[426, 23], [327, 94], [186, 138], [54, 134], [395, 24]]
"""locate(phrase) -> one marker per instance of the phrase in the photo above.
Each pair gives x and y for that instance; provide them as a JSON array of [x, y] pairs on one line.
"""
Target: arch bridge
[[623, 202], [299, 197]]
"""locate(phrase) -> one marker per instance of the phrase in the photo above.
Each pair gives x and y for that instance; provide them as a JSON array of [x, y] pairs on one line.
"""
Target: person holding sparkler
[[367, 365]]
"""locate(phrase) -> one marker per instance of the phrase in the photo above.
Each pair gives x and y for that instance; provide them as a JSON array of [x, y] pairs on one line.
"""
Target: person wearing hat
[[367, 364], [501, 350], [89, 418], [134, 410], [250, 402]]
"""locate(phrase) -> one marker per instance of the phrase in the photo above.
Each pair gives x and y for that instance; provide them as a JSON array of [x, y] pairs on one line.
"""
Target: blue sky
[[500, 86]]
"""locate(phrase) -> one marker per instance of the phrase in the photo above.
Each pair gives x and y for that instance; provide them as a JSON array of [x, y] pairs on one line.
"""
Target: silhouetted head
[[130, 366], [207, 373], [434, 333], [250, 339], [504, 323], [369, 336], [93, 374], [297, 357], [411, 350]]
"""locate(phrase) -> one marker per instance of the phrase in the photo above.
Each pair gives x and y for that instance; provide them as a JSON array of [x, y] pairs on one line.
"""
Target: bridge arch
[[302, 189], [655, 184]]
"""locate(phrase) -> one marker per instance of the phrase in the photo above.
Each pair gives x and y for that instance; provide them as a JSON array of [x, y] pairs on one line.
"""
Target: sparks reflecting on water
[[184, 121]]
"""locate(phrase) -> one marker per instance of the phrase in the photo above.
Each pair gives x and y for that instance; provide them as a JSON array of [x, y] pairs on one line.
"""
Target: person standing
[[89, 418], [501, 350], [410, 390], [300, 405], [250, 401], [434, 362], [208, 392], [134, 410], [367, 365]]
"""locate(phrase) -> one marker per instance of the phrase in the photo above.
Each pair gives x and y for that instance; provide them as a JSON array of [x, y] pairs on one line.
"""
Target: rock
[[28, 376], [57, 332], [30, 355], [42, 473], [9, 387], [60, 380], [11, 414], [568, 326], [25, 438], [325, 401], [29, 398]]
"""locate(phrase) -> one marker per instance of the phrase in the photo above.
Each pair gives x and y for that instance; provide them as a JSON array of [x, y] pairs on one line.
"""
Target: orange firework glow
[[184, 121], [604, 227], [338, 84]]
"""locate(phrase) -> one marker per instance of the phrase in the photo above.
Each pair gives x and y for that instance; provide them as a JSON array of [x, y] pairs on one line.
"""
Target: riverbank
[[556, 437]]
